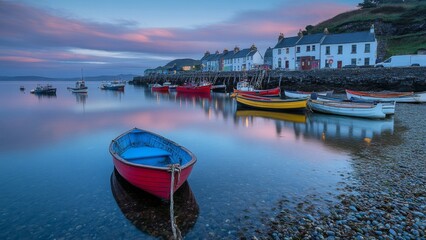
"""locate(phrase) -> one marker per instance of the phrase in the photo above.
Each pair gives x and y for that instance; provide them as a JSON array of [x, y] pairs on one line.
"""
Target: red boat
[[189, 88], [273, 92], [147, 161], [160, 88]]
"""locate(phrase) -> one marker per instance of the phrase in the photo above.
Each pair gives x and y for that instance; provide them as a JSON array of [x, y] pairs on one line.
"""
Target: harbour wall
[[366, 79]]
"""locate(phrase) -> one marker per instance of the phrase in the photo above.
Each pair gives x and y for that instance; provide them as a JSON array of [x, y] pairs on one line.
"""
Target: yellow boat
[[267, 103], [283, 116]]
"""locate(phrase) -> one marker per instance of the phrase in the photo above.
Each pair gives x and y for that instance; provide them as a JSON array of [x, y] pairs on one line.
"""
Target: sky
[[59, 38]]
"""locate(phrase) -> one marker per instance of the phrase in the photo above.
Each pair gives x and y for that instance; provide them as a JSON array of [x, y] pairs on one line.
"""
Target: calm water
[[58, 181]]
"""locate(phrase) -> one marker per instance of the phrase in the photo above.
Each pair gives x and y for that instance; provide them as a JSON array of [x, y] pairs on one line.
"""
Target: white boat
[[47, 89], [351, 109], [388, 106], [80, 87], [302, 94], [404, 97], [244, 86]]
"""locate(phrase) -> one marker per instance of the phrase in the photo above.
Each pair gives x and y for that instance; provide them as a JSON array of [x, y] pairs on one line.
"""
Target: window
[[287, 50], [279, 50], [298, 49], [367, 48], [353, 61], [327, 50], [308, 48], [340, 49], [353, 48], [366, 61], [313, 48]]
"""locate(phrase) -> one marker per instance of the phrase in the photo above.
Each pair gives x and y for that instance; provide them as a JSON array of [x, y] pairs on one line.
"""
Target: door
[[339, 64], [287, 64]]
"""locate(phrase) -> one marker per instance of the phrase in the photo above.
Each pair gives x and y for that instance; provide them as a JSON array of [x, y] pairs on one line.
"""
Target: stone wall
[[374, 79]]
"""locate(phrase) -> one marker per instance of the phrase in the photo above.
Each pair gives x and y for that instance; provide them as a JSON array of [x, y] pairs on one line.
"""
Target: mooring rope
[[176, 232]]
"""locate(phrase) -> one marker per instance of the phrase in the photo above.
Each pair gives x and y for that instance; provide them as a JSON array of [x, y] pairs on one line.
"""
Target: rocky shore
[[383, 198]]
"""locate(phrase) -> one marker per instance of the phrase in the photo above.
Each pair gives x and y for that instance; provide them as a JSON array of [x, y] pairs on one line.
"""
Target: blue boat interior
[[145, 148]]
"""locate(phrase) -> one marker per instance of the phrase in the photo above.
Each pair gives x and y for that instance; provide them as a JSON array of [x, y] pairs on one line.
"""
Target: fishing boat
[[151, 162], [160, 88], [302, 94], [219, 88], [268, 103], [192, 88], [273, 92], [22, 88], [46, 89], [388, 106], [351, 109], [114, 85], [404, 97], [244, 85], [80, 87], [150, 214], [170, 85]]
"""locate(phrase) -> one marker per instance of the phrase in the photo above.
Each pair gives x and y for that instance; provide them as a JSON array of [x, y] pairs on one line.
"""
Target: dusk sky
[[58, 38]]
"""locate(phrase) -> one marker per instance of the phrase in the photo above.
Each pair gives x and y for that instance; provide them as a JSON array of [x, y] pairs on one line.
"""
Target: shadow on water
[[150, 214]]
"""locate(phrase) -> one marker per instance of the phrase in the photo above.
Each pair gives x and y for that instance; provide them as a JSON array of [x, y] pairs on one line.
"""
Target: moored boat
[[160, 88], [80, 87], [302, 94], [114, 85], [219, 88], [46, 89], [351, 109], [388, 106], [190, 88], [404, 97], [170, 85], [151, 162], [273, 92], [268, 103], [22, 88]]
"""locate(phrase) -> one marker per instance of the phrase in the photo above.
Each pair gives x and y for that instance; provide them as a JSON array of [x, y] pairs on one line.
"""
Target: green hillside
[[400, 27]]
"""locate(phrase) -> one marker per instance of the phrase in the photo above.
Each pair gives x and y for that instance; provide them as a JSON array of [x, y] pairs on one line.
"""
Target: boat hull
[[265, 103], [144, 159], [387, 106], [363, 110], [160, 88], [401, 97], [273, 92], [300, 94], [194, 89]]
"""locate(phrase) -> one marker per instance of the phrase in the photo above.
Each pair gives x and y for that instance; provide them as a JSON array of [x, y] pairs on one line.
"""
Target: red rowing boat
[[151, 162], [273, 92], [189, 88], [160, 88]]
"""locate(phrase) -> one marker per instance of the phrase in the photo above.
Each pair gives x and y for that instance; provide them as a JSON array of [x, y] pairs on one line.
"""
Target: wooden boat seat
[[144, 152]]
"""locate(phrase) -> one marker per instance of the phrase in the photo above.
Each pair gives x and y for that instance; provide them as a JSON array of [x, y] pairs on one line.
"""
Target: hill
[[400, 27], [43, 79]]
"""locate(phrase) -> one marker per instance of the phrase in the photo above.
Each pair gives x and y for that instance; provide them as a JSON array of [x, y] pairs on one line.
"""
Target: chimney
[[280, 37], [372, 28], [236, 49], [225, 51], [253, 48], [300, 33], [206, 53], [326, 31]]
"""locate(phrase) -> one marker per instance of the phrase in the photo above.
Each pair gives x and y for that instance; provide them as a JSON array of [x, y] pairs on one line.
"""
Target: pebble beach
[[383, 198]]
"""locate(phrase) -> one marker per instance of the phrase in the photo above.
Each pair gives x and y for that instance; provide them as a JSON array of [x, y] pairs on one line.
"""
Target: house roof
[[287, 42], [349, 38], [228, 55], [311, 39], [242, 53], [268, 53]]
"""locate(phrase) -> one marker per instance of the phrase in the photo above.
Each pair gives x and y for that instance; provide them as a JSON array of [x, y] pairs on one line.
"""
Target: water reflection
[[150, 214], [45, 96], [320, 126]]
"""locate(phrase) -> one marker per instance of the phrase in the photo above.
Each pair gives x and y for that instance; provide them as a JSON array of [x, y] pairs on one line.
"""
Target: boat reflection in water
[[150, 214], [322, 126], [329, 127]]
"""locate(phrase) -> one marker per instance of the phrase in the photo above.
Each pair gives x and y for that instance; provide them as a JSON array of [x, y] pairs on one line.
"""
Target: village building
[[267, 58], [236, 60], [324, 50]]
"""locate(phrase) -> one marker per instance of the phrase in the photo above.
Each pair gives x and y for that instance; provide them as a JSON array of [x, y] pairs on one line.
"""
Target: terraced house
[[324, 50], [235, 60]]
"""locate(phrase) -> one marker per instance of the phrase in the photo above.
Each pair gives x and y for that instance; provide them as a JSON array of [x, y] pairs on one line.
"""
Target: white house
[[324, 50], [236, 60], [356, 49]]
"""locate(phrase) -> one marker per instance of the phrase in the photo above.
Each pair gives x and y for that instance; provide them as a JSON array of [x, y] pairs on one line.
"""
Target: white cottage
[[324, 50], [349, 49]]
